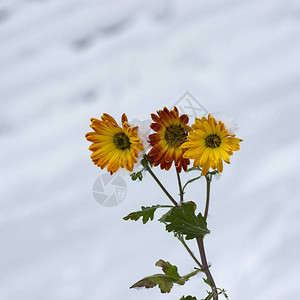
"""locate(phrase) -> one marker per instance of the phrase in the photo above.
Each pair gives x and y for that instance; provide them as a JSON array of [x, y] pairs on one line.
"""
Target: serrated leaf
[[182, 220], [164, 281], [167, 268], [146, 213], [188, 298]]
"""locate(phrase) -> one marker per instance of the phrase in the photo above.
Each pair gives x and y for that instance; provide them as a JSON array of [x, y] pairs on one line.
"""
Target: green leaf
[[133, 176], [206, 280], [146, 213], [218, 291], [182, 220], [164, 281], [223, 292], [167, 268], [137, 175], [188, 298], [145, 162]]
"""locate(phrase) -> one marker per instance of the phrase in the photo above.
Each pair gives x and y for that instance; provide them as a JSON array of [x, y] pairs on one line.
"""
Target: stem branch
[[180, 238], [161, 186], [201, 244]]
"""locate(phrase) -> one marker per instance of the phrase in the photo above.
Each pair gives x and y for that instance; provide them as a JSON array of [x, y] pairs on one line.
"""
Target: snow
[[63, 62]]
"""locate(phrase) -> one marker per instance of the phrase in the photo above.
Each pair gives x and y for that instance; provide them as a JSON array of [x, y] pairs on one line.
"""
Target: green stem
[[206, 268], [180, 187], [208, 182], [180, 238], [190, 181], [161, 186], [201, 244]]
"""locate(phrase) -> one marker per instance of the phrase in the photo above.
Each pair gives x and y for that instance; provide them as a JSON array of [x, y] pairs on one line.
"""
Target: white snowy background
[[64, 61]]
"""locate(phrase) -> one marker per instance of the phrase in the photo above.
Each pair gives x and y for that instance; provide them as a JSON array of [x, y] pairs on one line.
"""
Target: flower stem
[[180, 187], [208, 178], [201, 244], [161, 186], [180, 238], [206, 268]]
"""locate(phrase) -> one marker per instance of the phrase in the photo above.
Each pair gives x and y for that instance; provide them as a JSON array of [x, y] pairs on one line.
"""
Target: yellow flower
[[209, 144], [171, 132], [114, 147]]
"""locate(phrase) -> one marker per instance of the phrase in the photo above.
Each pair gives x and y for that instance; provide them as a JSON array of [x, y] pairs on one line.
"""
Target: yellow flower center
[[212, 141], [122, 141], [175, 135]]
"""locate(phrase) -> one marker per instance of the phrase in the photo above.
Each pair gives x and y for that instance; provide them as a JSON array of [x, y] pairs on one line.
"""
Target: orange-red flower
[[209, 144], [113, 146], [171, 132]]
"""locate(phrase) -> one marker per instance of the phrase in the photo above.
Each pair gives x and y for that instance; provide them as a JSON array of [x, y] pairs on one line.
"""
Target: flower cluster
[[207, 142]]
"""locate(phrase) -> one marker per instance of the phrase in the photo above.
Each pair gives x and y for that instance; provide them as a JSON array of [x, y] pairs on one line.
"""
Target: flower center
[[212, 141], [175, 135], [121, 141]]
